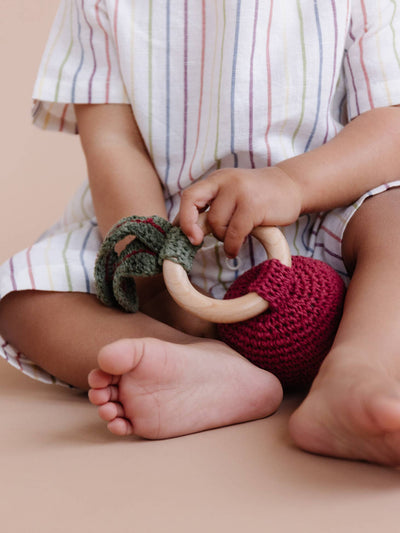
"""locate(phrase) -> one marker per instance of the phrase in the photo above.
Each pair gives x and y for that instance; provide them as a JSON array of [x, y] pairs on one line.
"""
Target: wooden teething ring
[[225, 311]]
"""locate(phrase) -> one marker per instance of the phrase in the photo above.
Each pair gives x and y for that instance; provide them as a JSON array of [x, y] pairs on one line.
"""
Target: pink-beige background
[[60, 470]]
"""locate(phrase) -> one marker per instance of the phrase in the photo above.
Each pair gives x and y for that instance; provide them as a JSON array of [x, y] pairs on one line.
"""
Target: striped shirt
[[222, 83], [227, 83]]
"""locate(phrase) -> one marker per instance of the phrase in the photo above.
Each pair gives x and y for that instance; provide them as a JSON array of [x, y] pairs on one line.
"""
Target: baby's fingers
[[239, 227], [193, 200]]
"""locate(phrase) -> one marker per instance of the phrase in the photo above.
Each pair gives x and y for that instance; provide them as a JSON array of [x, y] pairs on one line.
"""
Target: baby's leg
[[63, 332], [353, 408], [168, 384]]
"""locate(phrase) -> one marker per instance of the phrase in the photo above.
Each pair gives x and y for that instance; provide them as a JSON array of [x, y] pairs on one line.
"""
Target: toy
[[292, 337], [282, 315]]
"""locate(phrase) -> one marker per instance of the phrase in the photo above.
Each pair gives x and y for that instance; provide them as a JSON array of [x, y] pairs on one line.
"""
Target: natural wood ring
[[225, 311]]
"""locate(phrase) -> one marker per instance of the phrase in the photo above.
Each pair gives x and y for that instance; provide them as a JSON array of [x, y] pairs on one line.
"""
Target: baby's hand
[[239, 201]]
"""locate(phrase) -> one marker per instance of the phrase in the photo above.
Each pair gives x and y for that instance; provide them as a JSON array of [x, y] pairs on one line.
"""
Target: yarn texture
[[291, 338], [156, 239]]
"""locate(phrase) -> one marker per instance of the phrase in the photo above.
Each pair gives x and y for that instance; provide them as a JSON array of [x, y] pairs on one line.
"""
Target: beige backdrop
[[60, 470], [39, 170]]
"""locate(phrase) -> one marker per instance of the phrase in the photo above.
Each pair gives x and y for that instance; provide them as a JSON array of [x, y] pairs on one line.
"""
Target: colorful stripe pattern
[[221, 84], [189, 52], [232, 83]]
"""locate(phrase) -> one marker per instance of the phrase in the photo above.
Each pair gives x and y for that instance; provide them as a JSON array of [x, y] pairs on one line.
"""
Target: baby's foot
[[156, 389], [351, 412]]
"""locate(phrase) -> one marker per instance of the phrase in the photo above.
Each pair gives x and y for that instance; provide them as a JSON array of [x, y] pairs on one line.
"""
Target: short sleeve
[[79, 65], [372, 59]]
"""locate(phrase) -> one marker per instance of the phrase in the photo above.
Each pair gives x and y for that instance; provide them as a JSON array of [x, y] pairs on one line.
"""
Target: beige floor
[[60, 470]]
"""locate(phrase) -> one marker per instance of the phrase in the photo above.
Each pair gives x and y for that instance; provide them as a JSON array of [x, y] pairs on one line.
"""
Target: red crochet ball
[[294, 335]]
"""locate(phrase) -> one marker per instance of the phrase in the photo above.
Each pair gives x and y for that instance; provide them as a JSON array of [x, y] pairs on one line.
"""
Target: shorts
[[64, 256]]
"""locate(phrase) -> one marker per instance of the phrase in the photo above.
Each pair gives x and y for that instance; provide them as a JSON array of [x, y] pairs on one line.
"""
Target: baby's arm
[[123, 181], [122, 178], [366, 153]]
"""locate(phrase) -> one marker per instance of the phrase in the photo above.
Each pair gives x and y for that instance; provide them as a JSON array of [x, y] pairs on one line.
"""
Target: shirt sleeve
[[372, 58], [79, 65]]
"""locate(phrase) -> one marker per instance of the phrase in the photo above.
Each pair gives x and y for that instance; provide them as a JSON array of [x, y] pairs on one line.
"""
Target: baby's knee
[[373, 229], [14, 307]]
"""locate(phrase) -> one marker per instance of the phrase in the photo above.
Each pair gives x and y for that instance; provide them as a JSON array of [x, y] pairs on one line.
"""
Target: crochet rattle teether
[[288, 318], [282, 315]]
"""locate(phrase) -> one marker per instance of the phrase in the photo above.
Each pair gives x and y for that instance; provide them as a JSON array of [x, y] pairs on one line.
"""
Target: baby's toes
[[104, 395], [120, 426], [98, 379], [110, 411]]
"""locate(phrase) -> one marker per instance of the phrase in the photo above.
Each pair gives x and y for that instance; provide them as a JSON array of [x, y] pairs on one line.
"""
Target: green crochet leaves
[[156, 240]]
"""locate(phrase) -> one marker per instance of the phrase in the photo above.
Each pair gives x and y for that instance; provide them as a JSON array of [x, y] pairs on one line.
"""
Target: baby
[[270, 113]]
